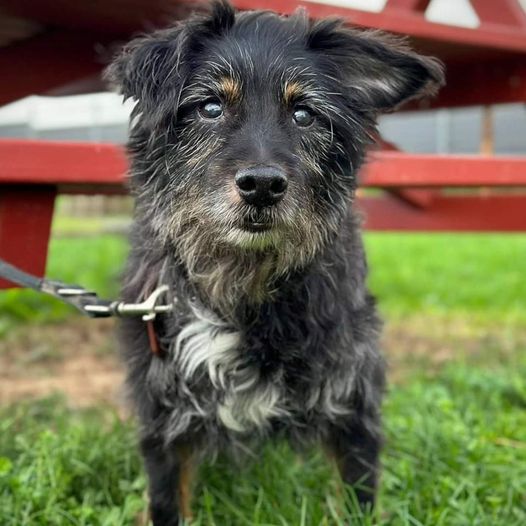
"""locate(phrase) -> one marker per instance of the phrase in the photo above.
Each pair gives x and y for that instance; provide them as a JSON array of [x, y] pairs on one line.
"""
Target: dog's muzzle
[[261, 186]]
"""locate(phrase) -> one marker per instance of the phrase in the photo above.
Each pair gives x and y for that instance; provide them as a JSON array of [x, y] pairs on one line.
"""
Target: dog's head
[[250, 128]]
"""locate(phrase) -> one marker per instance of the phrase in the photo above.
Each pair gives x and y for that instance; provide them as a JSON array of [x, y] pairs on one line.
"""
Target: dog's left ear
[[380, 70]]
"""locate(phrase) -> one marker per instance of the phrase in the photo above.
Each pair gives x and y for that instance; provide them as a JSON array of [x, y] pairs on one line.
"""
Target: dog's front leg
[[169, 473], [355, 446]]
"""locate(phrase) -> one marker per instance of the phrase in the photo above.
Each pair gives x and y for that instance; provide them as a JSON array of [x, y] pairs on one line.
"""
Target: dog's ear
[[151, 69], [222, 17], [380, 70], [147, 69]]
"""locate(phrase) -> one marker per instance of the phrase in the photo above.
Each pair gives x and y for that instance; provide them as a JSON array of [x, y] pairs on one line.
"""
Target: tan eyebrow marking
[[292, 91], [230, 88]]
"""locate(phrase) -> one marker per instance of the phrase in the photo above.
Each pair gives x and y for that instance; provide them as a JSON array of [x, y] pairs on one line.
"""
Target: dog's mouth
[[258, 220], [256, 226]]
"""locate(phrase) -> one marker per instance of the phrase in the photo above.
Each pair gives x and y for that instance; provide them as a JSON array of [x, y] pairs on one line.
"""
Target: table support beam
[[25, 224]]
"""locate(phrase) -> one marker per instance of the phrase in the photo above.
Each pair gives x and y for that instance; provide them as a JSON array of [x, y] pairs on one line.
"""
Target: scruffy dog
[[246, 141]]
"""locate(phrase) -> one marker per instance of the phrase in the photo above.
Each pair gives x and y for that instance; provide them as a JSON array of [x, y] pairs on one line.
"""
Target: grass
[[456, 455], [456, 435], [476, 275], [59, 467]]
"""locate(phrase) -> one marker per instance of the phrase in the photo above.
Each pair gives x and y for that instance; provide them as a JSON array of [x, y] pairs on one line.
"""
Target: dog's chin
[[253, 236]]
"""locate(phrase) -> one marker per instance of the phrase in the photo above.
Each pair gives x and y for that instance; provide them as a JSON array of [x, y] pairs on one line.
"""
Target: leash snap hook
[[149, 308]]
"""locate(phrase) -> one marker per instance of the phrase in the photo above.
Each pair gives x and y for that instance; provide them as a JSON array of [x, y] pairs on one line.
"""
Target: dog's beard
[[230, 264]]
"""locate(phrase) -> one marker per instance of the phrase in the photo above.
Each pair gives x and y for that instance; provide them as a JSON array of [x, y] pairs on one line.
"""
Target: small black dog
[[247, 137]]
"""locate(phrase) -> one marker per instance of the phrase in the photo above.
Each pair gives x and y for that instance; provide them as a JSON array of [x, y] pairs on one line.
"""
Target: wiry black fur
[[291, 306]]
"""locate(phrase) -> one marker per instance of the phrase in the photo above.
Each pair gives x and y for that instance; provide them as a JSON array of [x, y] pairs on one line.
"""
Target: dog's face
[[250, 128]]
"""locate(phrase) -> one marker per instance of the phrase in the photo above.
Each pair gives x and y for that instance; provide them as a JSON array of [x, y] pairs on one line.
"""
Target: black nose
[[261, 185]]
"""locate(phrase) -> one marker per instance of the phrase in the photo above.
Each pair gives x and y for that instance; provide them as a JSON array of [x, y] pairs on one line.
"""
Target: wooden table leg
[[26, 213]]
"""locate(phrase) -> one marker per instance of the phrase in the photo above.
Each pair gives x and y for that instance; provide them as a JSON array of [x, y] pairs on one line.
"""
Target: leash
[[89, 304]]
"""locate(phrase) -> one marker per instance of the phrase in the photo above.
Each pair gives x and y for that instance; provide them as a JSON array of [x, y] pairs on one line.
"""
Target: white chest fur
[[242, 401]]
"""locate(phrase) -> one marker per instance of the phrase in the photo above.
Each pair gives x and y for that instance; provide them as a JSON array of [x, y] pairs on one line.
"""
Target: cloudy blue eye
[[212, 109], [303, 116]]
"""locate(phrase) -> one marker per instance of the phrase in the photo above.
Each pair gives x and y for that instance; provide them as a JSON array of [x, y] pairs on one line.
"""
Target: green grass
[[477, 275], [455, 456], [59, 467], [75, 226]]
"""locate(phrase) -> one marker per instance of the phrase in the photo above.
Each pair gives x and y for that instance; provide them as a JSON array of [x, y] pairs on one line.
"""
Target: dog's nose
[[261, 185]]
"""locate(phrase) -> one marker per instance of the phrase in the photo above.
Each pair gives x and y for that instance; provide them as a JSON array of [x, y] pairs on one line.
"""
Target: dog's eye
[[211, 109], [303, 116]]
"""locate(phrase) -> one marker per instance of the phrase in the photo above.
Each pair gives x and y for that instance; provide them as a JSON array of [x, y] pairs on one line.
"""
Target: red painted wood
[[480, 82], [406, 23], [47, 61], [73, 166], [25, 222], [116, 17], [395, 169], [447, 213], [408, 5], [121, 17], [62, 163], [505, 12], [419, 197]]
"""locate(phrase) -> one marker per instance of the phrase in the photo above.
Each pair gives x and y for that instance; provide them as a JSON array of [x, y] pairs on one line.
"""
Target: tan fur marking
[[292, 91], [186, 478], [143, 517], [231, 89]]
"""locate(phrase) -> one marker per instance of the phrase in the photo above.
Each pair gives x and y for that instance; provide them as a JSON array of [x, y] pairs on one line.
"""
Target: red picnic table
[[59, 47]]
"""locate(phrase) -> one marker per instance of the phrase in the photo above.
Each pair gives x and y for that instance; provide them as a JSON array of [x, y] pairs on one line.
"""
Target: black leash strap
[[74, 295], [18, 276], [86, 301]]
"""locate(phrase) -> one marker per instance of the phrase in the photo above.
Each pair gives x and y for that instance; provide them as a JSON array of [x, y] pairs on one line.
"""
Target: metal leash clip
[[148, 309], [87, 301]]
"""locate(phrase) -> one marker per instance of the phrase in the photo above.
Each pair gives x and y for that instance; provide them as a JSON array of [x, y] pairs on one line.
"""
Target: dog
[[246, 141]]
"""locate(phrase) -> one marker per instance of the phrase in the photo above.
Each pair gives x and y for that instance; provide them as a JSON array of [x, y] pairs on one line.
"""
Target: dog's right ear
[[148, 69], [221, 19], [151, 69]]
